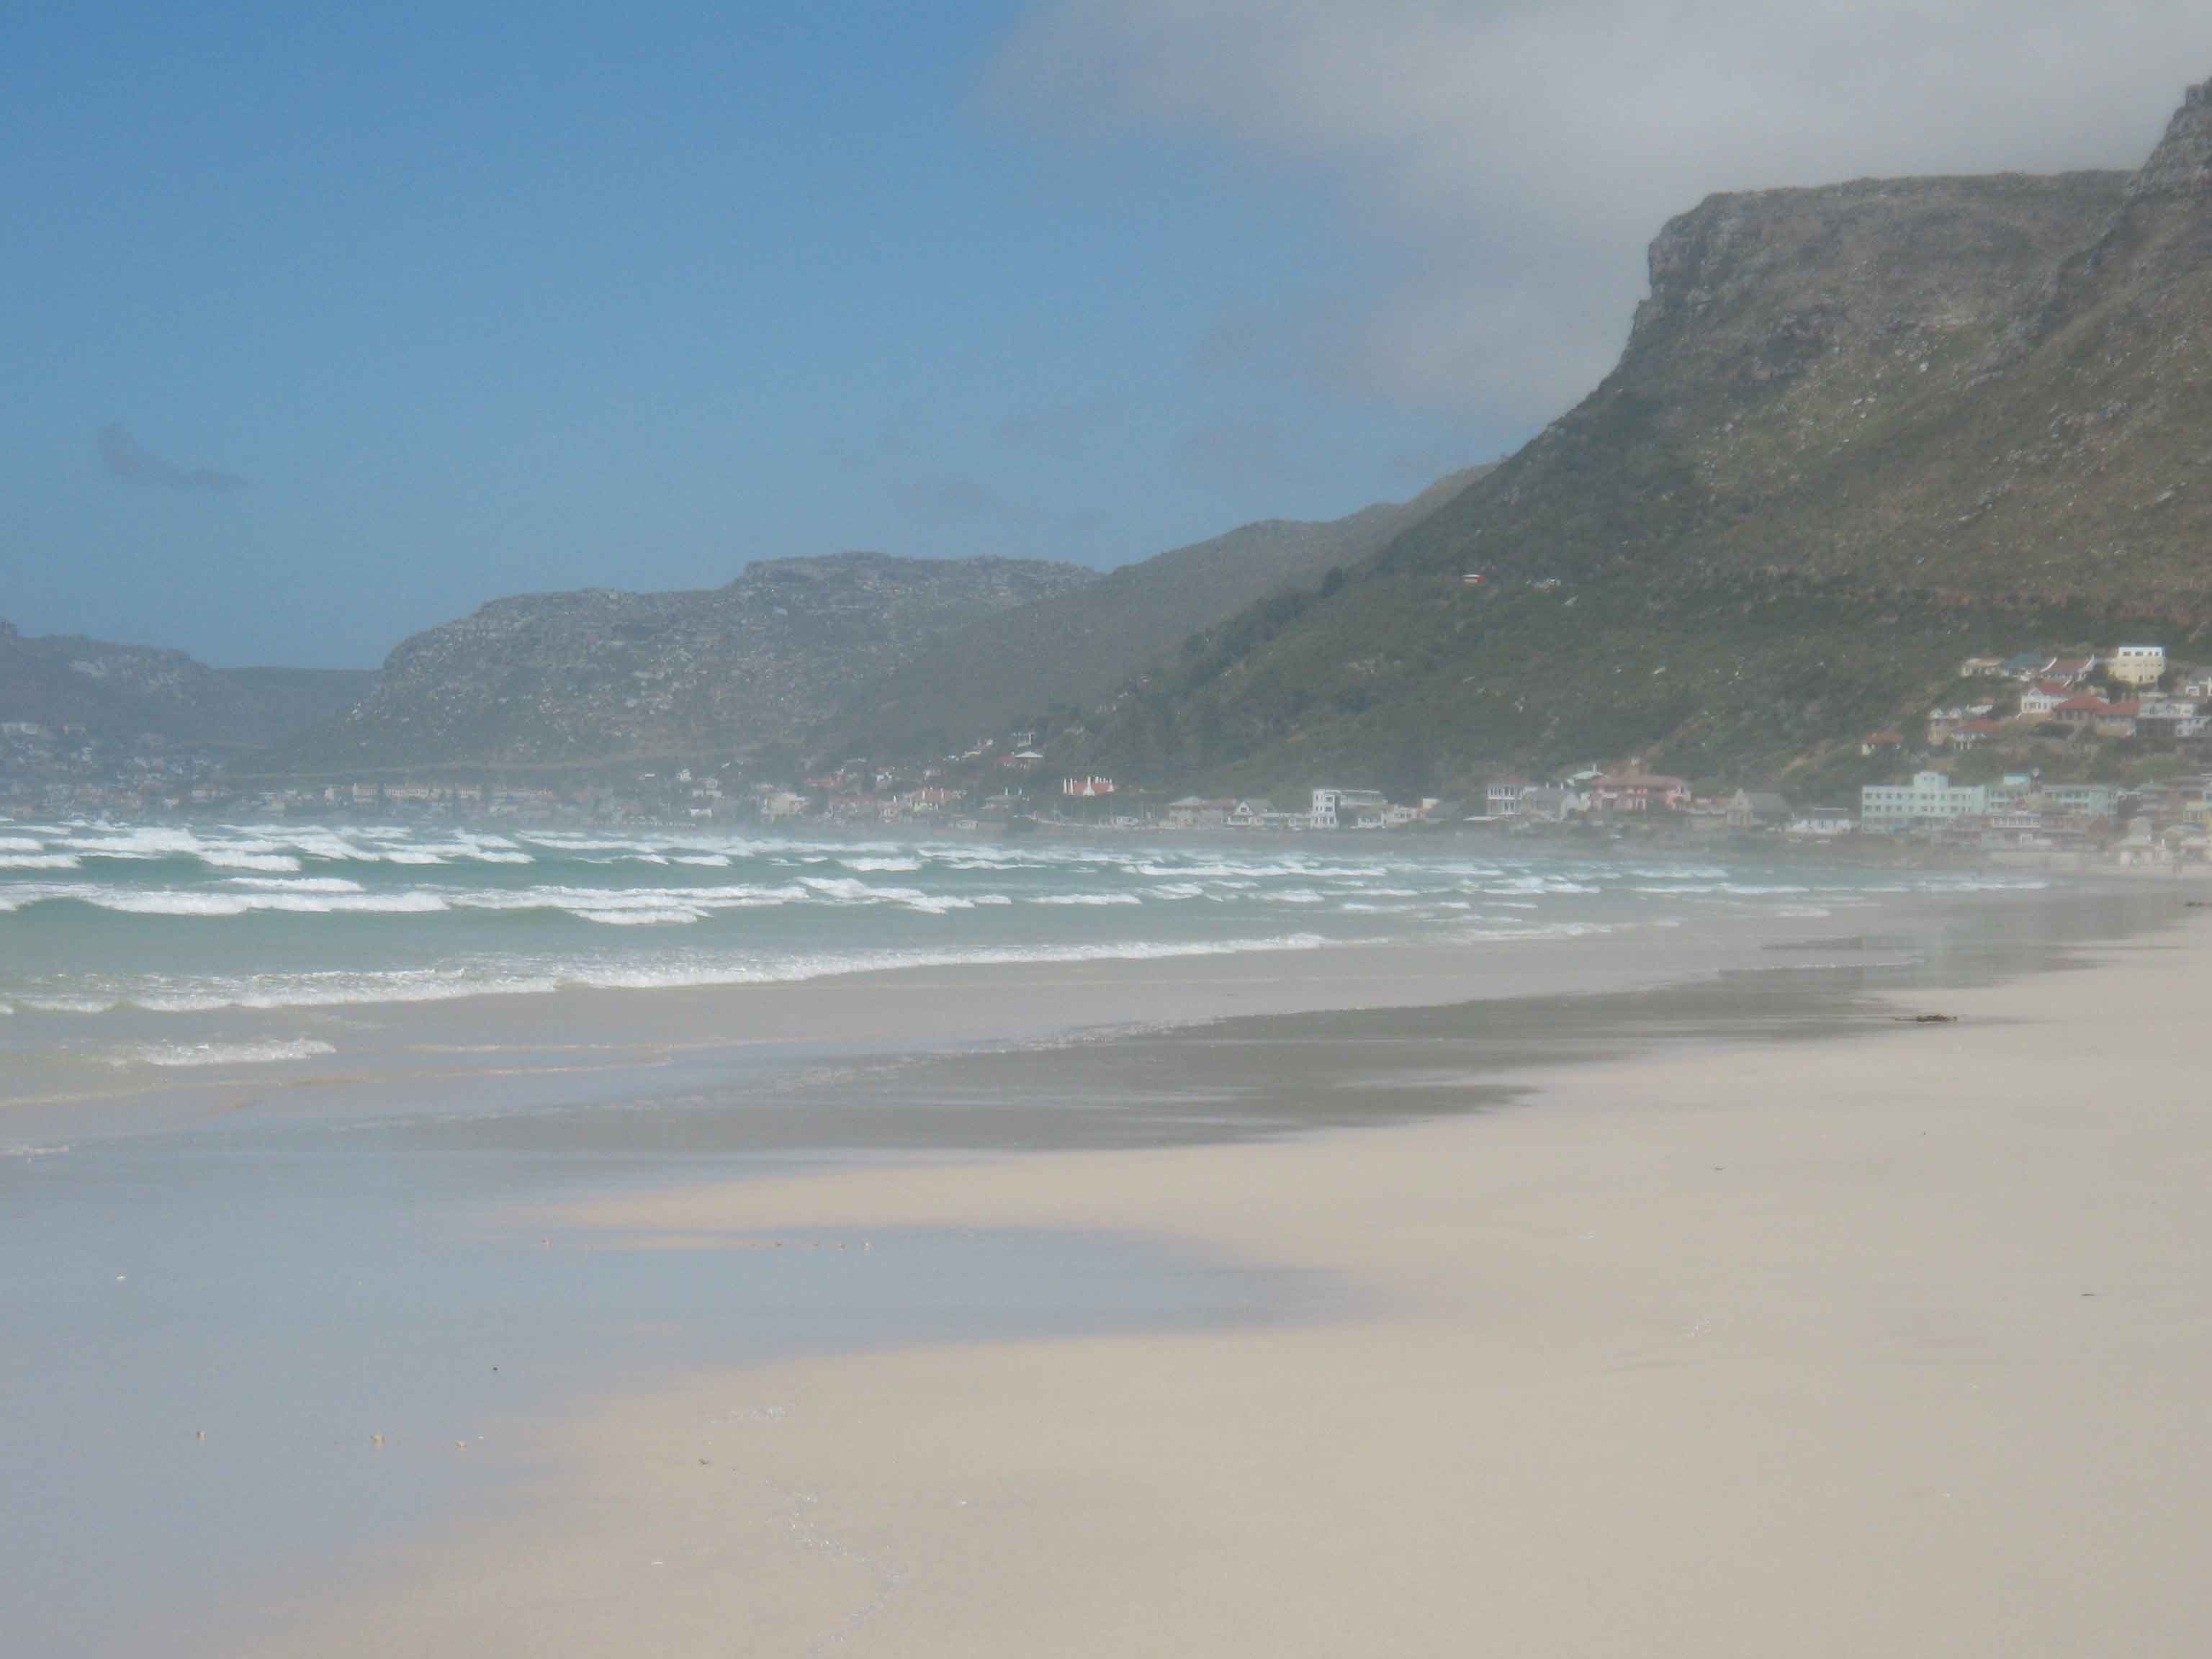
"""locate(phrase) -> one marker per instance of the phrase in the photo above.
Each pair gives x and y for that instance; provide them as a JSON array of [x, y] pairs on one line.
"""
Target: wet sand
[[1889, 1338]]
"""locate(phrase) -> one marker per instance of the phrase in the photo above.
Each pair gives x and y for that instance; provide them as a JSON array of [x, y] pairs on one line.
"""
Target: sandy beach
[[1891, 1341]]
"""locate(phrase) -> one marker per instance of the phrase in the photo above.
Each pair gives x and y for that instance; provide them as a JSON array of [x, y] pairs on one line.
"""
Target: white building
[[1929, 795], [1501, 797], [1345, 808], [2137, 665]]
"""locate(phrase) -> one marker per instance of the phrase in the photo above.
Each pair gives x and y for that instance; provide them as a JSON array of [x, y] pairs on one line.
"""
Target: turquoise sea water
[[95, 918]]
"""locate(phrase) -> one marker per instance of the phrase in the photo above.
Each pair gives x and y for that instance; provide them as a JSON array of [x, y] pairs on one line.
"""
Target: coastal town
[[2106, 755]]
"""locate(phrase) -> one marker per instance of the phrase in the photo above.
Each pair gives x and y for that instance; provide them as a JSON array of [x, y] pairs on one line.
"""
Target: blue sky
[[386, 313], [318, 325]]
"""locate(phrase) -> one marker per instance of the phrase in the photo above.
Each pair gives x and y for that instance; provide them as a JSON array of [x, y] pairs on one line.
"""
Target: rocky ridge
[[599, 674], [121, 693]]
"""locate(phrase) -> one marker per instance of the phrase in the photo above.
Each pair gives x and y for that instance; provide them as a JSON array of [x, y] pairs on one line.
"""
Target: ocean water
[[94, 918]]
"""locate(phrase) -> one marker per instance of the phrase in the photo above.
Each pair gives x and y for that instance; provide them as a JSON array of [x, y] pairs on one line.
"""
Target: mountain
[[1076, 647], [118, 693], [1856, 432], [599, 675]]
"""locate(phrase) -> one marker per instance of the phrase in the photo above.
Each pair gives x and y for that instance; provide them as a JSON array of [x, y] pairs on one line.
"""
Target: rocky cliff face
[[1920, 398], [2182, 164], [600, 674]]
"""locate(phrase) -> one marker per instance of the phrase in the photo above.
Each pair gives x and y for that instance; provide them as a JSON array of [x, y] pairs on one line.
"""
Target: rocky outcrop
[[2182, 163]]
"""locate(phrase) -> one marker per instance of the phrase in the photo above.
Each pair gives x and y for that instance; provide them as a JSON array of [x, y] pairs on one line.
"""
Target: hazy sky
[[318, 329]]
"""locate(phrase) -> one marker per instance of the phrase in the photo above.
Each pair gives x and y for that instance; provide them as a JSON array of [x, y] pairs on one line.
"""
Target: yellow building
[[2137, 665]]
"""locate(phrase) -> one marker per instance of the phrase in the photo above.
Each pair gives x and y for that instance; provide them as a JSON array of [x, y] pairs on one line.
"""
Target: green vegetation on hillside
[[1857, 433]]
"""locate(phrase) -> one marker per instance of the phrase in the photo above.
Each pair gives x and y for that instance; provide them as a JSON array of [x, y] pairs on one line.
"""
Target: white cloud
[[1508, 160]]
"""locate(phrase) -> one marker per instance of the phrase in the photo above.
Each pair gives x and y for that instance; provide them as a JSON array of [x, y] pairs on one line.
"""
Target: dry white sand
[[1888, 1344]]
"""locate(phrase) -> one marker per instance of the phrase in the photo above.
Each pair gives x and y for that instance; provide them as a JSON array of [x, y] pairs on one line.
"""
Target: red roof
[[2083, 705], [1985, 727], [1886, 737]]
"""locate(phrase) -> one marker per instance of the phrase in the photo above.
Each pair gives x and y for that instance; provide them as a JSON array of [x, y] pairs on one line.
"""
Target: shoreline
[[578, 1047], [1794, 1307]]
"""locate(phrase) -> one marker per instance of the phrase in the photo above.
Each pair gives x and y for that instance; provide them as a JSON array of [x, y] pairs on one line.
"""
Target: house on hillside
[[1639, 792], [2040, 700], [2070, 671], [2027, 665], [1882, 742], [1981, 668], [2137, 665], [2085, 710], [1967, 734]]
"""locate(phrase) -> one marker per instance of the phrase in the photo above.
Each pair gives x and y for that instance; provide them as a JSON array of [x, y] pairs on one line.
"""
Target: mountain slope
[[1854, 429], [120, 692], [1076, 647], [600, 674]]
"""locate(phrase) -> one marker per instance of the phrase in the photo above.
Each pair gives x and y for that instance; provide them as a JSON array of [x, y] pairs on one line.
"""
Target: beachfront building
[[1501, 797], [1196, 812], [1824, 822], [1754, 809], [1346, 809], [1549, 803], [1930, 795], [1639, 792], [2137, 665], [2080, 800]]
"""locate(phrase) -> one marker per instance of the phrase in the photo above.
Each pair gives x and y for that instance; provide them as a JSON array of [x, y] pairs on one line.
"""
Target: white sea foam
[[174, 901], [296, 884], [38, 861], [1085, 898], [21, 844], [793, 969], [223, 858], [224, 1054]]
